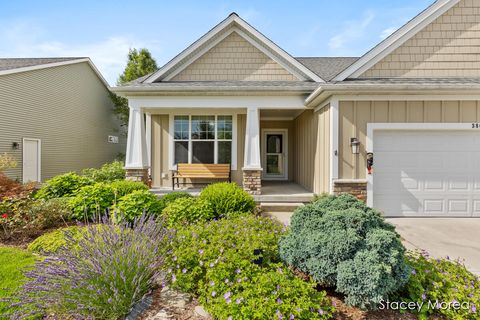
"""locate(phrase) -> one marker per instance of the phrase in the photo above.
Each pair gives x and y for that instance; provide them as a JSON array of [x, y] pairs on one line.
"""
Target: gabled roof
[[327, 67], [17, 65], [233, 23], [395, 40]]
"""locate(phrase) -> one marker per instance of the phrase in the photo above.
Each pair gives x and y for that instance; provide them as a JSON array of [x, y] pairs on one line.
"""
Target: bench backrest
[[199, 170]]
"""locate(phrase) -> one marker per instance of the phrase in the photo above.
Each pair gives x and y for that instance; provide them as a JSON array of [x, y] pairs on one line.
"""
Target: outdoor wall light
[[355, 144], [15, 145]]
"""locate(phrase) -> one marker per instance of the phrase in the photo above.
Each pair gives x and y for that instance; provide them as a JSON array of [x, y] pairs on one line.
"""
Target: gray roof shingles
[[327, 67], [16, 63]]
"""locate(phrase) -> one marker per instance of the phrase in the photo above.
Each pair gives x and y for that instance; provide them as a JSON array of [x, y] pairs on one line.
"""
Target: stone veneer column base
[[140, 175], [252, 181], [353, 187]]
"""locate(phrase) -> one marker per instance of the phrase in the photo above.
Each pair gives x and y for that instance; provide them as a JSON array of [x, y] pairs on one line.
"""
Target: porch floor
[[272, 191]]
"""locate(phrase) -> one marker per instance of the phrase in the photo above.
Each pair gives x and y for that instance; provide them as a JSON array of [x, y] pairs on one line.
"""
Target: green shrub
[[341, 242], [107, 173], [64, 185], [444, 281], [51, 242], [228, 199], [135, 204], [92, 201], [124, 187], [171, 197], [201, 247], [254, 292], [186, 210]]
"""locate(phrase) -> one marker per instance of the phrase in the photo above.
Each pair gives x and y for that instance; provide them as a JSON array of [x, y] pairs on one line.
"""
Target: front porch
[[272, 192]]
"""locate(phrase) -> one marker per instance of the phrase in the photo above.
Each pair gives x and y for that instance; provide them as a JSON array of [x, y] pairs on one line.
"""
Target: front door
[[275, 154], [31, 160]]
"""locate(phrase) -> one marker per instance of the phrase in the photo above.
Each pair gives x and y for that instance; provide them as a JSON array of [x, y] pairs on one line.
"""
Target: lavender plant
[[114, 268]]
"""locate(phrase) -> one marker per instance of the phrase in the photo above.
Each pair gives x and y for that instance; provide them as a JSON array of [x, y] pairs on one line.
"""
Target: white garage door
[[427, 173]]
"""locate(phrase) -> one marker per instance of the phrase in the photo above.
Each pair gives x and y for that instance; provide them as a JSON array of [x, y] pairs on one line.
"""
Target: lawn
[[12, 262]]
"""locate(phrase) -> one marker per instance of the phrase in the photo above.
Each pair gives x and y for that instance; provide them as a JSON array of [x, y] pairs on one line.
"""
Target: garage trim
[[372, 127]]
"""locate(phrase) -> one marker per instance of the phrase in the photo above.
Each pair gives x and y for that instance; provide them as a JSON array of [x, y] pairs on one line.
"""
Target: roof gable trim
[[57, 64], [395, 40], [235, 24]]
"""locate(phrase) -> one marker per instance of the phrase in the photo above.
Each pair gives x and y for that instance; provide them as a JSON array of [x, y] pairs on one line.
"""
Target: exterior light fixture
[[355, 144], [15, 145]]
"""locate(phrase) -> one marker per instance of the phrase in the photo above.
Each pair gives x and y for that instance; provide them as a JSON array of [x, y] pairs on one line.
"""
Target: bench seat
[[200, 171]]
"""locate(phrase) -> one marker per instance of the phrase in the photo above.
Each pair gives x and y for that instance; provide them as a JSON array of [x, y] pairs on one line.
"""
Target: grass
[[12, 262]]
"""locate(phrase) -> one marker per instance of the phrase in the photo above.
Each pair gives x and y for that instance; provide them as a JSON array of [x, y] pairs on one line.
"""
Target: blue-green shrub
[[228, 199], [65, 185], [135, 204], [342, 243]]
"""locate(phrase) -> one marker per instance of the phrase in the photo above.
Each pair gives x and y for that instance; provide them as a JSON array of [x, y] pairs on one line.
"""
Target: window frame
[[233, 139]]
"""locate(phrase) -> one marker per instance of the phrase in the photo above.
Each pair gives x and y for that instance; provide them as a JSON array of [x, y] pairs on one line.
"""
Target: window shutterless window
[[203, 139]]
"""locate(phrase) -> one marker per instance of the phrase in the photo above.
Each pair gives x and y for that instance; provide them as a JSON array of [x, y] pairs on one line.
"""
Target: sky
[[104, 30]]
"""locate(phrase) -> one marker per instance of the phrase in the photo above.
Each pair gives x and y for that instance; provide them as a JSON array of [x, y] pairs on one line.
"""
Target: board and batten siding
[[234, 58], [161, 174], [69, 109], [355, 115], [312, 150], [447, 47]]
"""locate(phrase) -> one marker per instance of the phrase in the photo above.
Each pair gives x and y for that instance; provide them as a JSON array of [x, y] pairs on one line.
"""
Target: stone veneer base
[[140, 175], [355, 188], [252, 181]]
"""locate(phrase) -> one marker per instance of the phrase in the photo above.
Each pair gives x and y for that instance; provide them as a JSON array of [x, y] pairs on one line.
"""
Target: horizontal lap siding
[[68, 108], [354, 116]]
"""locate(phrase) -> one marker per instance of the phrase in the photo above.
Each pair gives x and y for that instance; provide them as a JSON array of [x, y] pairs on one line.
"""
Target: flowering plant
[[443, 281], [112, 269]]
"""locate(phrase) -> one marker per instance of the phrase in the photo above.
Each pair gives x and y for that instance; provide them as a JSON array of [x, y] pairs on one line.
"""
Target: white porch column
[[252, 167], [136, 159]]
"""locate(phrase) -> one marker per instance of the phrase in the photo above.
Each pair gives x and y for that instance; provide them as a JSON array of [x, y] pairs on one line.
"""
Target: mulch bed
[[22, 239]]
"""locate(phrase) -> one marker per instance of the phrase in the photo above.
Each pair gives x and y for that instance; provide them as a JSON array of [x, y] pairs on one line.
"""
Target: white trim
[[322, 105], [284, 132], [334, 133], [171, 140], [148, 132], [39, 158], [58, 64], [277, 118], [398, 38], [408, 97], [373, 127], [218, 102], [232, 20]]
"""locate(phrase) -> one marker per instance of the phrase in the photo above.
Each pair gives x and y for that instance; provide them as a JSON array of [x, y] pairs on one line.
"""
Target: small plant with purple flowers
[[115, 266], [437, 283]]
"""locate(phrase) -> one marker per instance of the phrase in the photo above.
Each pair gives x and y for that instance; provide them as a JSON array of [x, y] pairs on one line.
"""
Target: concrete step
[[284, 198], [282, 217], [280, 206]]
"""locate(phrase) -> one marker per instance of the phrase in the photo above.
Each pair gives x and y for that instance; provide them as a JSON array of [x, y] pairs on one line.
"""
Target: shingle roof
[[15, 63], [327, 67], [410, 81], [306, 86]]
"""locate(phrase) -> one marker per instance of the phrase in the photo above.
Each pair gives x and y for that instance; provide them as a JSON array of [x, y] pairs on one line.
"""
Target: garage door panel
[[427, 173]]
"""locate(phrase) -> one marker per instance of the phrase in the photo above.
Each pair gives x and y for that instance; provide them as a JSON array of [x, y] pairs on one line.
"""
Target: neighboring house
[[56, 116], [413, 101]]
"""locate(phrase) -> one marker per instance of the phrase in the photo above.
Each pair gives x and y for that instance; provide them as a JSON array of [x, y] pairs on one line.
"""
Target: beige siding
[[234, 58], [160, 157], [160, 150], [355, 115], [68, 108], [312, 150], [290, 126], [448, 47]]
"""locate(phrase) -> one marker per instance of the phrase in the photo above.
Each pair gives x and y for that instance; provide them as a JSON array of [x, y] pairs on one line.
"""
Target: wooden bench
[[200, 171]]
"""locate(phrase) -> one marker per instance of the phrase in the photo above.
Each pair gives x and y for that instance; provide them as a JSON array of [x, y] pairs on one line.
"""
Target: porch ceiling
[[281, 114]]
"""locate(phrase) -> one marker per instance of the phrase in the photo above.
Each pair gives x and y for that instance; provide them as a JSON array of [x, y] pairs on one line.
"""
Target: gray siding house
[[56, 116]]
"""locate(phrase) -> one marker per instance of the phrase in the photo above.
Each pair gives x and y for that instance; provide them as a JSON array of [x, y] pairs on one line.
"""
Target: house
[[399, 126], [56, 116]]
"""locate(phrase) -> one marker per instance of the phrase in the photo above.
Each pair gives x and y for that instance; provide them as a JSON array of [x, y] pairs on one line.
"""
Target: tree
[[140, 63]]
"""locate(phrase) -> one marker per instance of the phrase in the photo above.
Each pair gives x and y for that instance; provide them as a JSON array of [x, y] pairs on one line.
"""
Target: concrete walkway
[[454, 237]]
